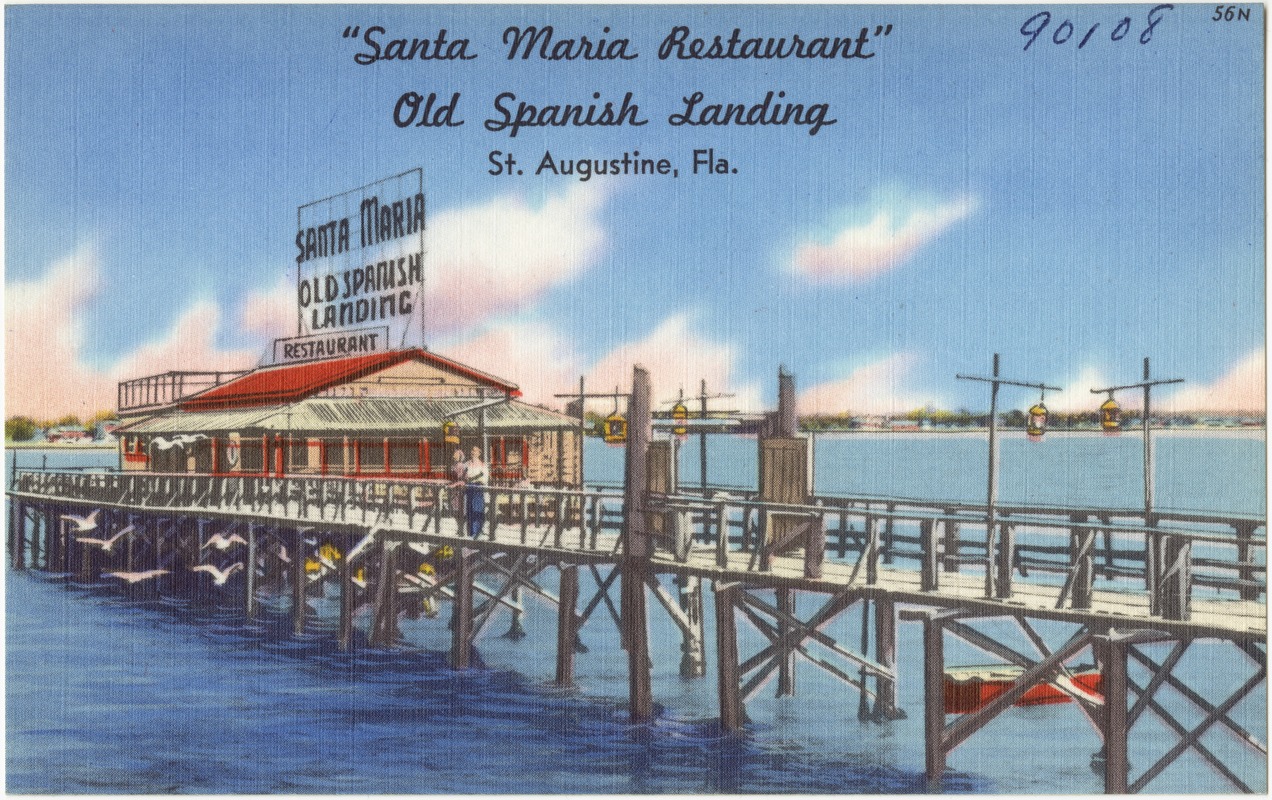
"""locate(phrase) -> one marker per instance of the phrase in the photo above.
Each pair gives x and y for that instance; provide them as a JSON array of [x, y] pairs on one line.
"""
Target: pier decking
[[1124, 583]]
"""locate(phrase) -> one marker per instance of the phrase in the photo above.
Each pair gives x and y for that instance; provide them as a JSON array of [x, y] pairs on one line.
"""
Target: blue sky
[[1072, 209]]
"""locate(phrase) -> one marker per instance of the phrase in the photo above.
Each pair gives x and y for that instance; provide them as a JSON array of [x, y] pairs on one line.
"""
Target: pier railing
[[1075, 552]]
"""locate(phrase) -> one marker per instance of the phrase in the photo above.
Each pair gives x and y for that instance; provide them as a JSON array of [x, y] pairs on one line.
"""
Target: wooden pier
[[956, 569]]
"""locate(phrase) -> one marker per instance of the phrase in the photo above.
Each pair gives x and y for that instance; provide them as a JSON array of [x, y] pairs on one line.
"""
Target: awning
[[349, 415]]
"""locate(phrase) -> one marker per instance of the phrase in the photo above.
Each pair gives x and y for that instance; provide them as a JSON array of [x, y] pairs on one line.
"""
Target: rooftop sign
[[337, 344], [359, 260]]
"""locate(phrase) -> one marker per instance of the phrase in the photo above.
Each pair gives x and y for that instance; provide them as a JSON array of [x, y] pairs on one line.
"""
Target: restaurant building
[[398, 414]]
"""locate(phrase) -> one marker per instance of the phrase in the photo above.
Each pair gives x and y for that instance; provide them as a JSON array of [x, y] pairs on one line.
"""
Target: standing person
[[458, 470], [477, 476]]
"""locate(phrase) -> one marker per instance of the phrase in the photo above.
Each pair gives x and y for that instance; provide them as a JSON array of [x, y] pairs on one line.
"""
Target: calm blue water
[[110, 695]]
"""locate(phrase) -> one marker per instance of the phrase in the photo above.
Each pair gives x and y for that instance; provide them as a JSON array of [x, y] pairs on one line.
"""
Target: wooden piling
[[885, 707], [693, 662], [298, 581], [786, 666], [462, 610], [567, 624], [344, 635], [933, 701], [19, 541], [635, 624], [1113, 666], [249, 588], [638, 548], [732, 713]]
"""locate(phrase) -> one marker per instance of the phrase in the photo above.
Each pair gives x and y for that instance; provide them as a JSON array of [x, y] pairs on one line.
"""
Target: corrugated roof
[[390, 415], [292, 382]]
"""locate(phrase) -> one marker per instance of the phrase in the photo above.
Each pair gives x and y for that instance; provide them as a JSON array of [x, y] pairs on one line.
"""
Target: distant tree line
[[21, 428]]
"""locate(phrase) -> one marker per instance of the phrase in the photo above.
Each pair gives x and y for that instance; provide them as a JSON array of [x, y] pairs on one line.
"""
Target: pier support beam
[[462, 610], [1116, 764], [298, 581], [933, 701], [18, 536], [567, 624], [249, 581], [635, 621], [344, 633], [885, 706], [384, 623], [732, 714], [786, 665], [693, 662]]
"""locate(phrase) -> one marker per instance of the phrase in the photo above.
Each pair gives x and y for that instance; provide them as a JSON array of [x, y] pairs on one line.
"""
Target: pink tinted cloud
[[533, 355], [1242, 389], [676, 356], [875, 388], [46, 374], [887, 241], [270, 313]]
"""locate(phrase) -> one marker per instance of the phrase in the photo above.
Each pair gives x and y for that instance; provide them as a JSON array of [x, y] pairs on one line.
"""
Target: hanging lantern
[[450, 433], [679, 416], [614, 429], [1110, 417], [1037, 424]]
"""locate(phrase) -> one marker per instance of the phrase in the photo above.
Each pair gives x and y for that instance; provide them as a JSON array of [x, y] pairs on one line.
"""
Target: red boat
[[968, 689]]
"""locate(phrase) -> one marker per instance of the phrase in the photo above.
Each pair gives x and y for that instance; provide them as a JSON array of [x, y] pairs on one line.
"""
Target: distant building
[[399, 414], [67, 434]]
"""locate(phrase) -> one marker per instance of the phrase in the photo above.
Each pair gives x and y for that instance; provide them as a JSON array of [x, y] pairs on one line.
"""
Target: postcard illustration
[[626, 399]]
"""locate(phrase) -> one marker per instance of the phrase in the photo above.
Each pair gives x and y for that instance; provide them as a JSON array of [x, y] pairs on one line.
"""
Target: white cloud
[[894, 233], [480, 261], [879, 387], [504, 254], [1076, 396], [46, 375], [1241, 388]]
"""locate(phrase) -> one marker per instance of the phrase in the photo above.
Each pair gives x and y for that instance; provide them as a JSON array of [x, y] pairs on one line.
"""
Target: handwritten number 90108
[[1064, 32]]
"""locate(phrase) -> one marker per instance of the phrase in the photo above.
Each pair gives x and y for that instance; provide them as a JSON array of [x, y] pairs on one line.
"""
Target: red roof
[[287, 384]]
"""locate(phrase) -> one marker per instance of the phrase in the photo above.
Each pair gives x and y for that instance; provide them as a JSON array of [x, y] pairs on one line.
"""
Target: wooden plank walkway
[[590, 543]]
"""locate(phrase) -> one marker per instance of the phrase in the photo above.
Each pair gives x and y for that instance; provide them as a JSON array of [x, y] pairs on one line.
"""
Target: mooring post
[[567, 624], [384, 621], [299, 579], [732, 714], [515, 630], [344, 635], [462, 610], [693, 662], [786, 666], [934, 701], [19, 538], [59, 531], [885, 707], [249, 589], [637, 548], [1112, 658]]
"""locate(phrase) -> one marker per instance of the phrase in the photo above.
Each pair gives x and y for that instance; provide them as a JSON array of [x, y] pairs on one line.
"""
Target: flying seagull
[[136, 577], [83, 524], [104, 544], [219, 577], [221, 542]]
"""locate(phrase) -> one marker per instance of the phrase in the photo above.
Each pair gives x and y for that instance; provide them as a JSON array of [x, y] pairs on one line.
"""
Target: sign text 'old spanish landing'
[[360, 261]]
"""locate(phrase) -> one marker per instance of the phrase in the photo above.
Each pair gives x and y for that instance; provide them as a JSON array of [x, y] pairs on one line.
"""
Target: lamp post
[[1002, 589], [1152, 554], [1146, 385]]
